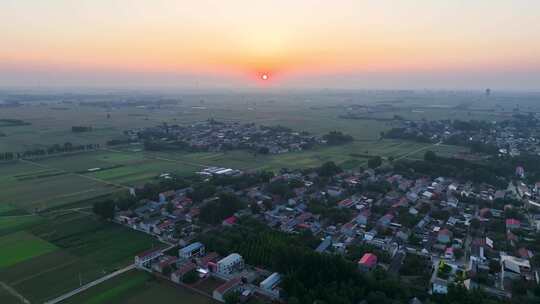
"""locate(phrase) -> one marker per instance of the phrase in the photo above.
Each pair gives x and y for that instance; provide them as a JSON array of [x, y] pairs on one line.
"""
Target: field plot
[[45, 191], [21, 246], [11, 224], [114, 290], [351, 155], [83, 249], [138, 287]]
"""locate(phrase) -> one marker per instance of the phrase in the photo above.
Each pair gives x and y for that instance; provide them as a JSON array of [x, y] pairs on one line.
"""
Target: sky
[[352, 44]]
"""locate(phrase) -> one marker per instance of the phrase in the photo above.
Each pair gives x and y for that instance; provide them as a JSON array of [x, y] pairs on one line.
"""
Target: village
[[512, 137], [439, 231], [212, 135]]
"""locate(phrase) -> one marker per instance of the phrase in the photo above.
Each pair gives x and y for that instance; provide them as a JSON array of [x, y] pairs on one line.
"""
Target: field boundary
[[14, 292]]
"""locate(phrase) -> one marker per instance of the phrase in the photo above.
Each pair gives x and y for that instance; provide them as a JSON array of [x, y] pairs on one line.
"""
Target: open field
[[55, 181], [84, 249], [21, 246], [138, 287]]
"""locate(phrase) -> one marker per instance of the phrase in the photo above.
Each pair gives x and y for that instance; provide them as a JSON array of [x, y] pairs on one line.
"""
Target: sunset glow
[[296, 40]]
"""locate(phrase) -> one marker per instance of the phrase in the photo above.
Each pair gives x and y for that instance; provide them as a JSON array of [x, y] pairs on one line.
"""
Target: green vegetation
[[216, 211], [73, 246], [9, 122], [337, 138], [21, 246]]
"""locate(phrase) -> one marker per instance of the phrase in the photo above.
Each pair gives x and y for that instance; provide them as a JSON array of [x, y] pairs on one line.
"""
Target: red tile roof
[[230, 220], [368, 259], [512, 222], [148, 252], [222, 289]]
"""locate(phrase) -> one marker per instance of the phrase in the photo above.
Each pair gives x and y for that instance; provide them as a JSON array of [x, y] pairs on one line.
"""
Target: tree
[[374, 162], [216, 211], [329, 169], [104, 209], [337, 138], [190, 277], [232, 297]]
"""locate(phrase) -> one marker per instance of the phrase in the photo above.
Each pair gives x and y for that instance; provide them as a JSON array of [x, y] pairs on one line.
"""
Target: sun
[[264, 76]]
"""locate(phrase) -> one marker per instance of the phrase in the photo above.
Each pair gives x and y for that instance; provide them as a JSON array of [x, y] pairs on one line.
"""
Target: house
[[178, 275], [362, 218], [346, 203], [444, 236], [524, 253], [520, 172], [229, 286], [164, 262], [147, 256], [415, 301], [449, 253], [230, 221], [230, 264], [512, 223], [439, 286], [367, 262], [270, 282], [348, 229], [385, 220], [514, 267], [324, 244], [195, 249]]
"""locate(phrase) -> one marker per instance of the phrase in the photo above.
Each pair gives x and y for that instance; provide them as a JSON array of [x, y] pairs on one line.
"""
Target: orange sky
[[242, 39]]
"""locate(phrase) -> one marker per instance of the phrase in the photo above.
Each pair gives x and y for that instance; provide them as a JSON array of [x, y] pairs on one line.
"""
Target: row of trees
[[53, 149], [337, 138], [81, 129]]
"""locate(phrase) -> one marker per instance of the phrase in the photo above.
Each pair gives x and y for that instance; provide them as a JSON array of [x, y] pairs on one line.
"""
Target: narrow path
[[96, 282], [14, 293], [91, 284]]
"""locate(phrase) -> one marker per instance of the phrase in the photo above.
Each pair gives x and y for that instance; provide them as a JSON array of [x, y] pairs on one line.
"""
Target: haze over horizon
[[447, 44]]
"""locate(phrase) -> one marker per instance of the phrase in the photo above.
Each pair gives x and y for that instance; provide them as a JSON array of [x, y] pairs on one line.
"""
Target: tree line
[[50, 150]]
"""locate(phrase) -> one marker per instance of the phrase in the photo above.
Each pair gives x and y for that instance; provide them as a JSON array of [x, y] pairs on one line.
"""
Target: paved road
[[91, 284]]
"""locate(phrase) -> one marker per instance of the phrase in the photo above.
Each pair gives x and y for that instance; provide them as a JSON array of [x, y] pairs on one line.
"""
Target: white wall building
[[230, 264]]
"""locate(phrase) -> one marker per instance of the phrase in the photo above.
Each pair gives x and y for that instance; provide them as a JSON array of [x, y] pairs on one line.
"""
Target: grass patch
[[19, 246], [113, 290]]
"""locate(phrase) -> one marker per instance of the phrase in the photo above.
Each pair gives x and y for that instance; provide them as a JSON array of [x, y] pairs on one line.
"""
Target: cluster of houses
[[191, 264], [472, 234], [510, 137], [212, 135]]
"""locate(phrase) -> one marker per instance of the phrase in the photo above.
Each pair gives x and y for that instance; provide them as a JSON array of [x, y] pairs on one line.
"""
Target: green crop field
[[80, 248], [138, 287], [21, 246]]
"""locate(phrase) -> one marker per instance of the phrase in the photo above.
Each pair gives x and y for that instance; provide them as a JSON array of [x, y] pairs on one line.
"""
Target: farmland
[[66, 248], [138, 287], [21, 246]]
